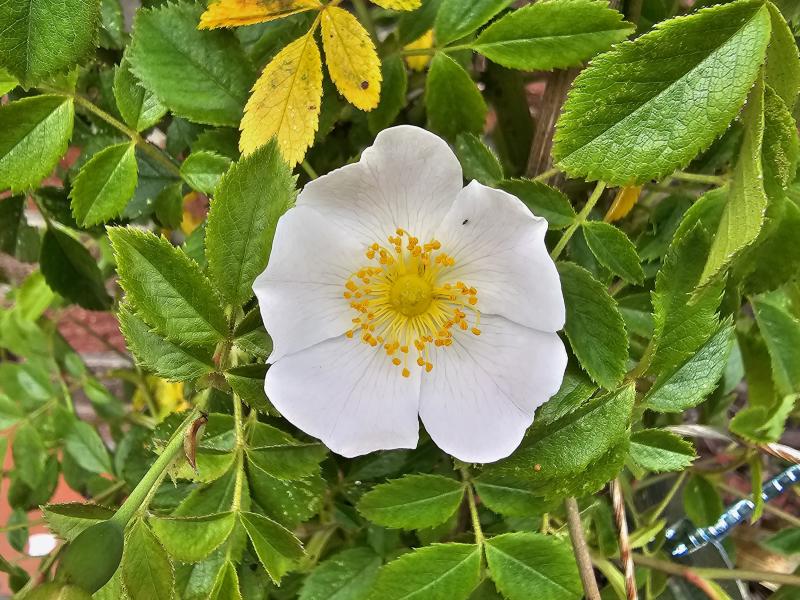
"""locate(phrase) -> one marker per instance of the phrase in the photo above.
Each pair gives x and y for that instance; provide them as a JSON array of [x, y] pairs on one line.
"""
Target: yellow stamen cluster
[[405, 302]]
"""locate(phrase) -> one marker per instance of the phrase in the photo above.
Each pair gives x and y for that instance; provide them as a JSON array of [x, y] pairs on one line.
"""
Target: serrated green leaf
[[701, 501], [543, 201], [167, 288], [762, 424], [783, 63], [553, 35], [594, 326], [780, 147], [34, 133], [614, 250], [477, 160], [69, 520], [688, 383], [436, 572], [71, 271], [281, 455], [412, 502], [276, 547], [191, 539], [45, 37], [146, 568], [457, 18], [448, 80], [202, 170], [347, 575], [394, 86], [202, 76], [249, 199], [29, 454], [747, 200], [659, 450], [83, 443], [526, 565], [10, 412], [781, 332], [167, 360], [511, 496], [640, 111], [288, 502], [786, 541], [7, 82], [17, 238], [247, 382], [104, 185], [226, 585], [138, 106]]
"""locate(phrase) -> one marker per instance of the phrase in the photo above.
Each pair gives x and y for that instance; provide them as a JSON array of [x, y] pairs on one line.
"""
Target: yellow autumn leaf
[[162, 397], [623, 203], [398, 4], [423, 42], [232, 13], [285, 102], [351, 58]]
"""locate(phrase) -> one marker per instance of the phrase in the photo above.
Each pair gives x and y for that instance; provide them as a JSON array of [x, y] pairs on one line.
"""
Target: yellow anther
[[476, 331], [396, 362], [406, 373]]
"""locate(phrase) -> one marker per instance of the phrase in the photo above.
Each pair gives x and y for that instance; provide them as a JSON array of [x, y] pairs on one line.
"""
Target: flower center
[[406, 299]]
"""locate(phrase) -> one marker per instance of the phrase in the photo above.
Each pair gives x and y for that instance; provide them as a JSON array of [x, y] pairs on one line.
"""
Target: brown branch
[[624, 541], [581, 550]]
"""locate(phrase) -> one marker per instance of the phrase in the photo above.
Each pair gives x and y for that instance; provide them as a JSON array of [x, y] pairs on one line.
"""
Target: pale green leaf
[[7, 82], [786, 541], [191, 539], [552, 35], [85, 446], [167, 288], [511, 496], [543, 201], [34, 133], [281, 455], [29, 454], [202, 170], [762, 424], [457, 18], [659, 450], [276, 547], [104, 185], [530, 565], [614, 250], [781, 332], [10, 412], [783, 63], [641, 110], [138, 106], [146, 568], [448, 80], [226, 585], [347, 575], [69, 520], [412, 502], [249, 199]]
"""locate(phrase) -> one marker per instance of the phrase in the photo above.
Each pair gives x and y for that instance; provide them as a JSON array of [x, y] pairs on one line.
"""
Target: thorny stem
[[562, 243], [581, 550], [709, 573]]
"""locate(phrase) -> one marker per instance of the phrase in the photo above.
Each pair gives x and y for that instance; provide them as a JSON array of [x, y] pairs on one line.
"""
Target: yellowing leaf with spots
[[232, 13], [423, 42], [351, 57], [398, 4], [286, 100]]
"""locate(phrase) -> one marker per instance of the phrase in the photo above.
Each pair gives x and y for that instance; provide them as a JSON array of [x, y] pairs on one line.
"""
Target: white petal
[[499, 249], [347, 394], [301, 291], [480, 397], [408, 178]]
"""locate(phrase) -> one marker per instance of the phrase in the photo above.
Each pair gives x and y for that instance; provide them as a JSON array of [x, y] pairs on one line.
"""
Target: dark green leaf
[[511, 496], [701, 501], [347, 575], [276, 547], [457, 18], [83, 443], [138, 106], [786, 541], [248, 383], [393, 94], [659, 450], [17, 238], [104, 185], [614, 250], [477, 160], [781, 332], [101, 547], [146, 568], [448, 80], [202, 170], [543, 200]]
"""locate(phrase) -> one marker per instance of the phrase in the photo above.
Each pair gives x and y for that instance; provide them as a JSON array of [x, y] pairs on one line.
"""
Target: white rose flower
[[393, 291]]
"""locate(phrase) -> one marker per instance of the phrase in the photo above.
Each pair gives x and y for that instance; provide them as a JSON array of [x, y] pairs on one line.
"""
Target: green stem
[[309, 169], [473, 512], [154, 475], [458, 48], [366, 18], [710, 573], [699, 178], [667, 499], [547, 174], [579, 219], [418, 52]]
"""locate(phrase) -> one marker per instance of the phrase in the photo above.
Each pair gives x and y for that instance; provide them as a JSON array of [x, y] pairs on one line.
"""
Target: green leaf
[[543, 200], [576, 388], [448, 80], [701, 501], [553, 35], [640, 111], [786, 541], [138, 106], [202, 170], [511, 496], [167, 360], [250, 198], [567, 446], [71, 271], [202, 76], [191, 539], [614, 250], [659, 450], [10, 412], [247, 382], [7, 81], [34, 133], [44, 37], [783, 63], [281, 455], [594, 326], [69, 520], [83, 444], [167, 288], [276, 547], [747, 200], [457, 18], [100, 546], [781, 332], [288, 502], [531, 565], [436, 572], [780, 147], [347, 575], [17, 238], [226, 585], [29, 454], [688, 383], [762, 424], [412, 502], [394, 86], [477, 160], [104, 185], [146, 568], [684, 318], [251, 336]]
